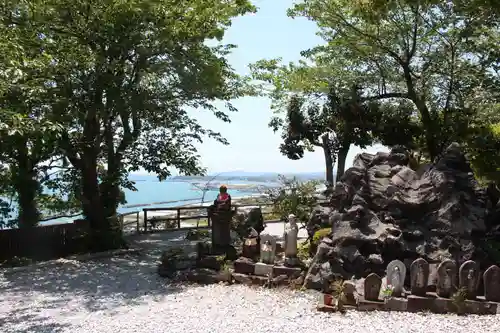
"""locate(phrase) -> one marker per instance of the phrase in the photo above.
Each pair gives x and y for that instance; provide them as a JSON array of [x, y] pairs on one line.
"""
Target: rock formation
[[384, 210]]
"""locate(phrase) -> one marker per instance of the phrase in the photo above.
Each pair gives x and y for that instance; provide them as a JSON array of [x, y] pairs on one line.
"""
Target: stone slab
[[244, 266], [262, 269], [481, 308], [444, 305], [325, 308], [420, 304], [242, 278], [364, 305], [396, 304], [258, 280], [292, 272], [209, 261]]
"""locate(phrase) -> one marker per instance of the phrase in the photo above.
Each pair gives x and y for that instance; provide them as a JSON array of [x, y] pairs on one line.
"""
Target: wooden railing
[[124, 224], [150, 224]]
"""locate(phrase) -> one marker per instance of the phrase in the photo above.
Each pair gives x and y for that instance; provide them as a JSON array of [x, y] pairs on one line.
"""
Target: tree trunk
[[92, 205], [26, 191], [427, 121], [325, 143], [27, 187], [341, 158]]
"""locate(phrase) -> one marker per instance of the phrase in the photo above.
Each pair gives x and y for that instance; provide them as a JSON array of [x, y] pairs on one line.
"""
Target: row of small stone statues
[[268, 244], [468, 279]]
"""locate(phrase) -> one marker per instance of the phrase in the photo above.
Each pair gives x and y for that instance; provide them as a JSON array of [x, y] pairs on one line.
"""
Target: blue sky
[[253, 146]]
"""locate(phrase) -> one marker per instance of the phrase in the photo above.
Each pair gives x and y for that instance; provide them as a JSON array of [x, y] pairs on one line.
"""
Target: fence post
[[178, 218], [209, 220], [145, 220], [121, 218], [137, 227]]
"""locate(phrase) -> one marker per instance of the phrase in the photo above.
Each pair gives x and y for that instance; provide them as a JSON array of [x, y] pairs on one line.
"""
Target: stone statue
[[267, 248], [290, 236], [396, 274]]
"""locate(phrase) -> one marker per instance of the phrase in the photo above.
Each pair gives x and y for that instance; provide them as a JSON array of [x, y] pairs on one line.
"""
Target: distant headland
[[264, 177]]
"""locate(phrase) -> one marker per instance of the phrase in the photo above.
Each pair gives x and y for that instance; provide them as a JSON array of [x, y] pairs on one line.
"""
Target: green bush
[[320, 234], [303, 250], [294, 197], [197, 234], [482, 149]]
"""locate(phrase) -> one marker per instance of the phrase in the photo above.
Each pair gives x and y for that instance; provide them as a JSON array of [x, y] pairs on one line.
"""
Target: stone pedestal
[[221, 230], [262, 269], [250, 248], [292, 261]]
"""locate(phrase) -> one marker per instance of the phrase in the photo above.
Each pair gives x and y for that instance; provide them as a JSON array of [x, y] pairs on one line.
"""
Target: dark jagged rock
[[384, 210], [246, 219]]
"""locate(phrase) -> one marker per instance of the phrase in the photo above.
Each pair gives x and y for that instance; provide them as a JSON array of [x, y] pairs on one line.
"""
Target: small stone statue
[[290, 236], [250, 245], [267, 248], [266, 253]]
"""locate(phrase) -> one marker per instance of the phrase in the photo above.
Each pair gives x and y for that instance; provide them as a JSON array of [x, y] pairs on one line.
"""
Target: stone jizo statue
[[267, 248], [290, 236]]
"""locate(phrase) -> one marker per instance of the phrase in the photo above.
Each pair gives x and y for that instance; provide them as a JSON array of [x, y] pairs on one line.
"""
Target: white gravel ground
[[126, 295]]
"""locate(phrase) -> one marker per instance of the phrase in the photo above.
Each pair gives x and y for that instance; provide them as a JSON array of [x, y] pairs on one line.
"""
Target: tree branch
[[384, 96]]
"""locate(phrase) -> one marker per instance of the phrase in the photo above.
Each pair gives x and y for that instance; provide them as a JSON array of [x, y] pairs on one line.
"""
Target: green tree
[[421, 52], [27, 137], [129, 76], [294, 197], [341, 122]]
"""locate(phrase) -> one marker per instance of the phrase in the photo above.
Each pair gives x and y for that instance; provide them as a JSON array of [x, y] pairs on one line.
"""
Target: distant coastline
[[263, 177]]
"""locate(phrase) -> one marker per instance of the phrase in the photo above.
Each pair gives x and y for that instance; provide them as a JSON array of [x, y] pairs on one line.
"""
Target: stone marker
[[446, 278], [250, 245], [396, 273], [468, 278], [267, 248], [221, 230], [491, 280], [373, 282], [349, 290], [419, 276], [290, 236]]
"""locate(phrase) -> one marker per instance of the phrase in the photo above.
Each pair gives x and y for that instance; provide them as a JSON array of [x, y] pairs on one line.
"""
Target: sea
[[152, 193]]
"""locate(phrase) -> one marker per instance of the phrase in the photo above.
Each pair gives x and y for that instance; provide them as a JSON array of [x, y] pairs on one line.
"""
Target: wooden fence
[[152, 224], [44, 242], [61, 240]]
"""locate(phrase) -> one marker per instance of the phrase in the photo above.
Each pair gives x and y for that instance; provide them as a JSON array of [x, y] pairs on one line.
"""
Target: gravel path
[[126, 295]]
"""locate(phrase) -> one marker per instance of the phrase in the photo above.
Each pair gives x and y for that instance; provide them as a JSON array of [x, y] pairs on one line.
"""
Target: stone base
[[396, 304], [244, 266], [209, 261], [326, 308], [262, 269], [207, 276], [292, 261], [419, 304], [446, 305], [365, 305], [292, 272], [281, 280]]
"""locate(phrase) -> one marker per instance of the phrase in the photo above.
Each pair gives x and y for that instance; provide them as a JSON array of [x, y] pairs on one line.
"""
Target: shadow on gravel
[[28, 323], [98, 284]]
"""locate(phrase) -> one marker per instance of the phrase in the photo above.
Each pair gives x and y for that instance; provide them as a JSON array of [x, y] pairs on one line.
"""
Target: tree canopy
[[433, 64], [94, 90]]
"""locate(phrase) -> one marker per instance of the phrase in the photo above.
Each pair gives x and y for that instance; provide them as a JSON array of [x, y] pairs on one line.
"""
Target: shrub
[[294, 197], [483, 154], [303, 251], [320, 234], [197, 234]]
